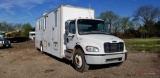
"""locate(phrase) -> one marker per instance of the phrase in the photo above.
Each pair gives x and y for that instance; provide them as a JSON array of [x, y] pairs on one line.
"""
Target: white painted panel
[[70, 13], [54, 35]]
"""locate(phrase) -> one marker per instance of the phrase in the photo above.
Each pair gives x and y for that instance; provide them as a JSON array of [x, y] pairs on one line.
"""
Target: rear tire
[[9, 46], [41, 48], [79, 61]]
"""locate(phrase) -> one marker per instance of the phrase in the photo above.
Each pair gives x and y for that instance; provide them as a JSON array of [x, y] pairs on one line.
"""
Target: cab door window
[[72, 28]]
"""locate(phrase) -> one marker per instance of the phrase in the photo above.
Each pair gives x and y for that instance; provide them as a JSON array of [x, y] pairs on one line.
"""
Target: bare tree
[[159, 14], [116, 26], [26, 28], [109, 17], [126, 24], [147, 14], [18, 26], [6, 27]]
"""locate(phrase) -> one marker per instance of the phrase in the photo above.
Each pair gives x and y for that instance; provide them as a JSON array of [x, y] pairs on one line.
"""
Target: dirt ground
[[24, 61]]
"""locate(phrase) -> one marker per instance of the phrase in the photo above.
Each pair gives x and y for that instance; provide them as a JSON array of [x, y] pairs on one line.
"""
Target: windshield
[[2, 35], [32, 34], [86, 26], [1, 38]]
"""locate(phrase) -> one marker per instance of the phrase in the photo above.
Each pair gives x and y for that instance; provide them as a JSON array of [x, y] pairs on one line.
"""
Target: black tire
[[37, 49], [79, 61], [41, 48], [9, 46]]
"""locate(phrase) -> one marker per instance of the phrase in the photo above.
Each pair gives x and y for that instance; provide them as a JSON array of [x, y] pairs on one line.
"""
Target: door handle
[[72, 36]]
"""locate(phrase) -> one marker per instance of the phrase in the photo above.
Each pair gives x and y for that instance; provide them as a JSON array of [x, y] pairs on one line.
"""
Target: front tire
[[9, 46], [79, 61]]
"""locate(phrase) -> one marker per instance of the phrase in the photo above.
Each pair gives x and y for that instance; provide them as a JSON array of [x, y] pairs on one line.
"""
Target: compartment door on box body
[[56, 34]]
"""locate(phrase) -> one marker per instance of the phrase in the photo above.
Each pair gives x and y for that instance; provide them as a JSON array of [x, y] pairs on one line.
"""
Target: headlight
[[9, 42], [0, 42], [91, 49]]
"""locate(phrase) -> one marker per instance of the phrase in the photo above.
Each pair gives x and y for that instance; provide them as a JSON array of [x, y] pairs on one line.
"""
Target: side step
[[68, 54], [67, 57], [69, 50]]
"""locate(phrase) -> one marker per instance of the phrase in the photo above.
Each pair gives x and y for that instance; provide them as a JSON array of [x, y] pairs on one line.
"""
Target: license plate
[[114, 59], [111, 60]]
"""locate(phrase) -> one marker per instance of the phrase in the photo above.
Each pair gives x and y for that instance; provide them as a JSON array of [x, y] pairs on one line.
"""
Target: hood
[[3, 39], [101, 38]]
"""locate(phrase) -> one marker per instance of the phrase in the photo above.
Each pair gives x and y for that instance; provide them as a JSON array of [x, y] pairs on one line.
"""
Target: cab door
[[71, 39]]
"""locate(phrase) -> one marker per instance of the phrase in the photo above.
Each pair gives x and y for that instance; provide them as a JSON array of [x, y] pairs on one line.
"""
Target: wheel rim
[[78, 61], [41, 48]]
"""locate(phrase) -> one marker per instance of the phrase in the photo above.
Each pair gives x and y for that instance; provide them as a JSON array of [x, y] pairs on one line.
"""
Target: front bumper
[[5, 45], [105, 59]]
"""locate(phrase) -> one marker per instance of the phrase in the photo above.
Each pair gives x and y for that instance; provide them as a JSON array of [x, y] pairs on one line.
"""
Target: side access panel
[[53, 32]]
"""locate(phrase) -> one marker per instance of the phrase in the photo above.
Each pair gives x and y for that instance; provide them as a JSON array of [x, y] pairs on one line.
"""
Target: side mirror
[[108, 25], [67, 27], [66, 32]]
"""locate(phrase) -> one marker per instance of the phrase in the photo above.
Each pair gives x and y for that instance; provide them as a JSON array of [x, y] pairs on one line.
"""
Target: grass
[[143, 45]]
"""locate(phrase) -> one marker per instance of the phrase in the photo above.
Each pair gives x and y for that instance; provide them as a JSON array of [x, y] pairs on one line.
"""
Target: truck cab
[[4, 42], [90, 43]]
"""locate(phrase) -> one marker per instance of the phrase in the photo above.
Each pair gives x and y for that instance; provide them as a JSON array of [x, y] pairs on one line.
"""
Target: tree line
[[24, 28], [144, 23]]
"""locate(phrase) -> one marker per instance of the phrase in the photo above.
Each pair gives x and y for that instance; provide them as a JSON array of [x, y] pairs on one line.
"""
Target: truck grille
[[6, 42], [113, 47]]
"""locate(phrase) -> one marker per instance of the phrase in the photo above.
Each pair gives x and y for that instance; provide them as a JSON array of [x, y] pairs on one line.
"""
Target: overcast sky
[[23, 11]]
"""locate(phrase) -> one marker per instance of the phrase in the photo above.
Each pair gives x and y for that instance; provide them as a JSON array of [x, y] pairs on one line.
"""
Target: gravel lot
[[24, 61]]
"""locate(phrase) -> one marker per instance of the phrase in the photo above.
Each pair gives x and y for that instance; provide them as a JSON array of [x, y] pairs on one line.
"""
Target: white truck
[[32, 35], [72, 33]]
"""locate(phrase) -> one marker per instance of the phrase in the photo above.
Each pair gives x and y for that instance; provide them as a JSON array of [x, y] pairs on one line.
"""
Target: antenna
[[89, 11]]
